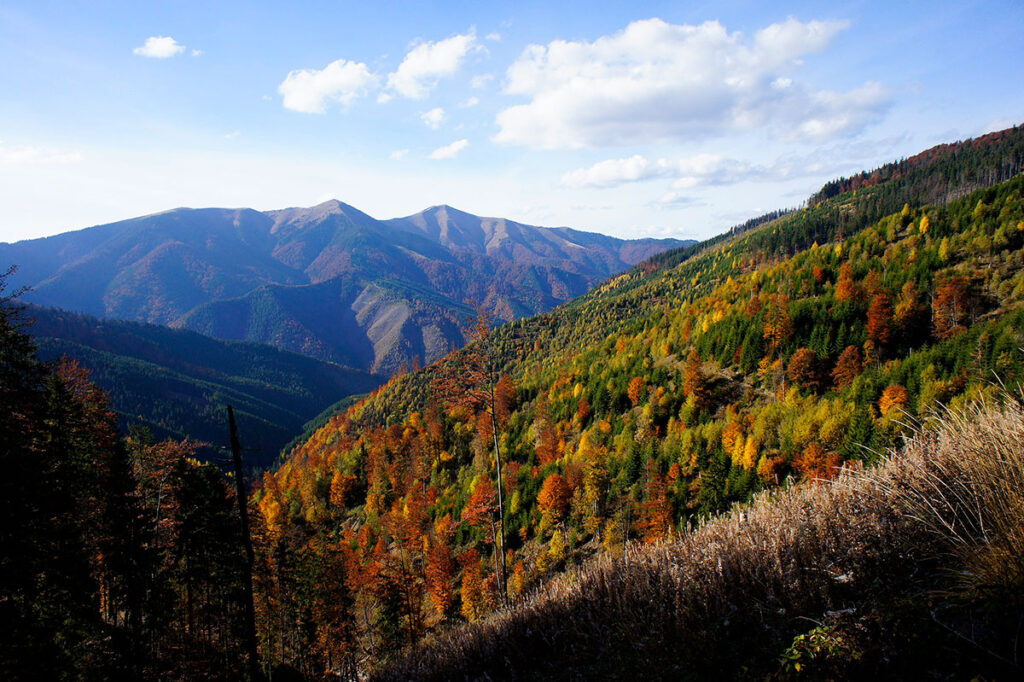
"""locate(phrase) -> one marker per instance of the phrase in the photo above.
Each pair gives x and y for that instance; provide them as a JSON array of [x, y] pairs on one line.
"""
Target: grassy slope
[[911, 570]]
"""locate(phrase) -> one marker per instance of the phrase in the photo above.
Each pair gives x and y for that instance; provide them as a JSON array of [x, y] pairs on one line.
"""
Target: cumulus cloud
[[692, 171], [433, 117], [613, 172], [159, 47], [471, 102], [449, 151], [428, 62], [676, 199], [309, 90], [660, 82], [701, 169]]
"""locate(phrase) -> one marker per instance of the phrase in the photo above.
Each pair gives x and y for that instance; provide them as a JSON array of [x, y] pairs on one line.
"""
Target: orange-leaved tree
[[880, 320], [803, 369], [694, 381], [554, 498], [952, 306], [893, 398], [655, 520], [848, 367], [636, 390], [846, 288]]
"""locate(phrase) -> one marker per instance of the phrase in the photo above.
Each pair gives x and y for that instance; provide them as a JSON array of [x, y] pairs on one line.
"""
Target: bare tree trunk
[[501, 496], [243, 512]]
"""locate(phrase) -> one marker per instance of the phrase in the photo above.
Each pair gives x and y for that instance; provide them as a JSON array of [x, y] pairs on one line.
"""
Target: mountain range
[[329, 282]]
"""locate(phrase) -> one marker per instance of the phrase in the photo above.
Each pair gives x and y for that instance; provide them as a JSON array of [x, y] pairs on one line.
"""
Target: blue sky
[[633, 119]]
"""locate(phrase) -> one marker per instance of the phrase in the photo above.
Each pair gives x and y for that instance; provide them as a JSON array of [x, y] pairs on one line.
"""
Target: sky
[[652, 119]]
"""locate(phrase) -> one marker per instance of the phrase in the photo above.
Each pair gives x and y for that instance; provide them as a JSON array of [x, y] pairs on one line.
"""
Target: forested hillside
[[176, 383], [784, 352], [910, 570]]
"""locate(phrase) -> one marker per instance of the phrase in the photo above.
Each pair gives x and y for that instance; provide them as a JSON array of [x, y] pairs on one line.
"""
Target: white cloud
[[308, 90], [1001, 124], [832, 114], [715, 169], [428, 62], [159, 47], [433, 117], [481, 81], [614, 172], [196, 53], [494, 37], [23, 154], [398, 154], [471, 102], [675, 199], [659, 82], [706, 170], [449, 151], [688, 172]]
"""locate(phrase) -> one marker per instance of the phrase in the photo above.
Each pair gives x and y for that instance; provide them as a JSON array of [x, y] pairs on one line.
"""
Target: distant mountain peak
[[298, 217], [329, 206], [447, 208]]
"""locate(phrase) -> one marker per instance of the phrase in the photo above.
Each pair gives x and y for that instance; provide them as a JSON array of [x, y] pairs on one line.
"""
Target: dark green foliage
[[118, 559], [176, 382]]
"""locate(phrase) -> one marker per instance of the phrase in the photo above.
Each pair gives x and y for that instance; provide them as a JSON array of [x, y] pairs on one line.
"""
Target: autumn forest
[[433, 527]]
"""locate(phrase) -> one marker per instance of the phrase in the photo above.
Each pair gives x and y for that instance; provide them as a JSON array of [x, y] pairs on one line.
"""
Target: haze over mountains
[[328, 281]]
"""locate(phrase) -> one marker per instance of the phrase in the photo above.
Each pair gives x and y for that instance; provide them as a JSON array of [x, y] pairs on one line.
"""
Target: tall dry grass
[[893, 571], [966, 486]]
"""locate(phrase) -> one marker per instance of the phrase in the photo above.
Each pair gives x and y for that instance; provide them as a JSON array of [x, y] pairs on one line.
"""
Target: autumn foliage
[[554, 497], [893, 398], [879, 325]]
